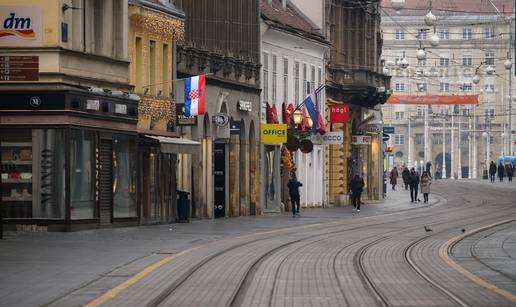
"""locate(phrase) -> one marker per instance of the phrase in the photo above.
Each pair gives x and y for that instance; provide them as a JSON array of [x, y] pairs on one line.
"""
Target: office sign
[[19, 68], [360, 139], [388, 130], [273, 133], [20, 26], [329, 138]]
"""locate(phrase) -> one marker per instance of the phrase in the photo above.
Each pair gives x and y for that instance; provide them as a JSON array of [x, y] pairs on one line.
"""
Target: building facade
[[467, 48], [293, 55], [68, 122], [354, 77], [222, 41]]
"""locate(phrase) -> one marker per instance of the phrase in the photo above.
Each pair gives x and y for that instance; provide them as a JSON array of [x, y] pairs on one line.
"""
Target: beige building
[[469, 45]]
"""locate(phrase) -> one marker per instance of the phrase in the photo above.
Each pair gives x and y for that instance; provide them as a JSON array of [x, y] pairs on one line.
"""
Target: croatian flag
[[194, 95], [310, 102]]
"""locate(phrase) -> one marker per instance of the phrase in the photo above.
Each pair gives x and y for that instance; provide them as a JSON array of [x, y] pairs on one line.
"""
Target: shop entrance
[[105, 182], [220, 179]]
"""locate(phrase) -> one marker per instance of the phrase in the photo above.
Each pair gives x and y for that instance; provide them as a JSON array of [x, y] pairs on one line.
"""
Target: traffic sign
[[388, 130]]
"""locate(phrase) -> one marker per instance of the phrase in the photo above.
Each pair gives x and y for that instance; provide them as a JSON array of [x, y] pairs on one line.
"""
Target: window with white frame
[[444, 33], [422, 34], [274, 78], [399, 115], [421, 87], [467, 87], [467, 33], [400, 34], [312, 83], [467, 59], [490, 112], [420, 139], [399, 87], [285, 80], [444, 59], [306, 88], [444, 87], [421, 110], [265, 77], [489, 32], [399, 139], [489, 58], [319, 77], [296, 83], [489, 88]]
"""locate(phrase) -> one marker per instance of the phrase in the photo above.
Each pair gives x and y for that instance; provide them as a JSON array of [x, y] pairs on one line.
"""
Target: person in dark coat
[[293, 189], [501, 170], [405, 175], [394, 178], [492, 171], [510, 171], [356, 186], [414, 184]]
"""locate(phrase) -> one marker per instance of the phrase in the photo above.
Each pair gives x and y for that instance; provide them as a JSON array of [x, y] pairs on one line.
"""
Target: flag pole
[[317, 91], [175, 80]]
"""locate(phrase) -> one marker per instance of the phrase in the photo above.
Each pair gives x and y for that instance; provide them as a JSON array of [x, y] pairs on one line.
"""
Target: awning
[[176, 145]]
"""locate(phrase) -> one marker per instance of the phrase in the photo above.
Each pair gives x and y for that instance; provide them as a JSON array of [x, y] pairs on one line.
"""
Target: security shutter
[[105, 182]]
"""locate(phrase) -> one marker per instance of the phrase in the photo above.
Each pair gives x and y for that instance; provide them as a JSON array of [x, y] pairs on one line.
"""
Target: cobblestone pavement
[[327, 257]]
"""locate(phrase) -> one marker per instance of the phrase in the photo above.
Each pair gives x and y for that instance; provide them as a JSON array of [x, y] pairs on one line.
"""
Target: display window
[[124, 177], [33, 173], [82, 174]]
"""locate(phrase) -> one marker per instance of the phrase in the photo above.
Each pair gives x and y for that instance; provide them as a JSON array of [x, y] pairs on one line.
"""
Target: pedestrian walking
[[492, 171], [510, 171], [414, 184], [293, 189], [356, 186], [426, 181], [501, 170], [405, 175], [394, 178]]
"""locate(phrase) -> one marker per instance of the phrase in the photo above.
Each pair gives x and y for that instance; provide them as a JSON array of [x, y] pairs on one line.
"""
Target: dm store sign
[[20, 26]]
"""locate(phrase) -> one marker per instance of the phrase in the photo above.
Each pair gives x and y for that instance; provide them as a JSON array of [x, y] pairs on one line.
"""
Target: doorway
[[219, 154]]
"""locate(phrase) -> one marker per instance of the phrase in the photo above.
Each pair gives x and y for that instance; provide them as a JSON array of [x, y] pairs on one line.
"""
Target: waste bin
[[183, 206]]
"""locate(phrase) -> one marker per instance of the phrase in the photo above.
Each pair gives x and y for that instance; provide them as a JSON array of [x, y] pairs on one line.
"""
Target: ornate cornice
[[167, 27]]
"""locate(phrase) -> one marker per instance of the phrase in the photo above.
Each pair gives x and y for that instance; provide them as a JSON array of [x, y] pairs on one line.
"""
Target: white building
[[293, 50]]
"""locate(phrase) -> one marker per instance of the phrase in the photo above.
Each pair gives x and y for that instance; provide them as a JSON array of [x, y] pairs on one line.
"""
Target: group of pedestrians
[[502, 171], [412, 180]]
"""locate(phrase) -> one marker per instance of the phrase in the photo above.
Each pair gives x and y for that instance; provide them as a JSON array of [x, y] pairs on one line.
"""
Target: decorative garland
[[156, 108], [167, 27]]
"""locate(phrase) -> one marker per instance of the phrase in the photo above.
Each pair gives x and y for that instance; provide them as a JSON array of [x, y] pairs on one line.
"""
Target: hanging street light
[[421, 54], [430, 19], [476, 79], [398, 5], [386, 71], [403, 63], [490, 70], [507, 64], [298, 117], [435, 40]]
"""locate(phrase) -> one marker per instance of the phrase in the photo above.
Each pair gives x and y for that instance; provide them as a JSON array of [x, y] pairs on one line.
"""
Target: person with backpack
[[356, 186], [492, 171], [405, 175], [293, 189]]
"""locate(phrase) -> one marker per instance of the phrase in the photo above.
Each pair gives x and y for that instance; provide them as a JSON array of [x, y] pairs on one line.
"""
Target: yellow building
[[154, 29]]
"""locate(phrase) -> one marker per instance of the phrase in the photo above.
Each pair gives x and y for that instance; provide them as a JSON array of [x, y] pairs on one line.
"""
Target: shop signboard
[[329, 138], [234, 127], [221, 119], [19, 68], [181, 119], [388, 130], [273, 133], [20, 26], [245, 106], [339, 113], [360, 139]]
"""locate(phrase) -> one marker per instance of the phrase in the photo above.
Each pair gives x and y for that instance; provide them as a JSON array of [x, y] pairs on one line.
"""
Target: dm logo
[[17, 26]]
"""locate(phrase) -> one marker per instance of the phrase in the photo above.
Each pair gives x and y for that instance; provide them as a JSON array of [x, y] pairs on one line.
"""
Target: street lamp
[[298, 117], [309, 122], [397, 5], [430, 19], [488, 141], [435, 40]]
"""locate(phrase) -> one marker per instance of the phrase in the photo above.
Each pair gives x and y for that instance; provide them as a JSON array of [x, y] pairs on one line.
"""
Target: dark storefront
[[69, 160]]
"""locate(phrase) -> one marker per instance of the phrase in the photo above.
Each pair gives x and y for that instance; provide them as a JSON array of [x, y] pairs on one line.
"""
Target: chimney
[[284, 4]]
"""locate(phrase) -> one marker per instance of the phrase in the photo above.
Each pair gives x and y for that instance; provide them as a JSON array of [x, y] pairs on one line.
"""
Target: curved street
[[465, 257]]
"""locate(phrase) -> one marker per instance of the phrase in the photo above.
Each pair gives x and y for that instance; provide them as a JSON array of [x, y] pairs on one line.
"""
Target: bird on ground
[[463, 230], [427, 229]]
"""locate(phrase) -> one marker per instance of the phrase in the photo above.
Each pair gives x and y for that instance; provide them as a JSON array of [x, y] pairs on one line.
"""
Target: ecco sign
[[329, 138]]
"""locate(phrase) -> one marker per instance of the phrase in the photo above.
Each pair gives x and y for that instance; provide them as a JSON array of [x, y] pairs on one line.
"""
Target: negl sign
[[20, 26]]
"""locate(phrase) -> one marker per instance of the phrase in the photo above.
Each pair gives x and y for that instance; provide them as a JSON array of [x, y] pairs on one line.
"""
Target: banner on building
[[339, 113], [438, 100], [20, 26], [360, 139], [273, 133], [329, 138]]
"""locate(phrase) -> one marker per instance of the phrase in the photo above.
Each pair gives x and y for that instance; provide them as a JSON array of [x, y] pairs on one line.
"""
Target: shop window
[[33, 173], [124, 177], [82, 174]]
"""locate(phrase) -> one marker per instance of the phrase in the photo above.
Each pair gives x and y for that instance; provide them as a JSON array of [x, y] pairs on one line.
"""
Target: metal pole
[[443, 175], [409, 160], [475, 152], [452, 149], [459, 157], [426, 134], [470, 149], [510, 138]]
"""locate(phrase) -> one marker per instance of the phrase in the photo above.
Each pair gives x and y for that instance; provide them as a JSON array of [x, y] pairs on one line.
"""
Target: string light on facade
[[435, 40], [398, 5], [430, 19]]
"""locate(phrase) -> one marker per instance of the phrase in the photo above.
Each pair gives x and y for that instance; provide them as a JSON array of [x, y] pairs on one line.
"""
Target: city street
[[327, 257]]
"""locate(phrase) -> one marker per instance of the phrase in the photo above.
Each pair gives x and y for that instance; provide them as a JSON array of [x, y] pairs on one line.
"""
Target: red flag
[[303, 120], [274, 113], [320, 124], [269, 116], [285, 113], [339, 113]]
